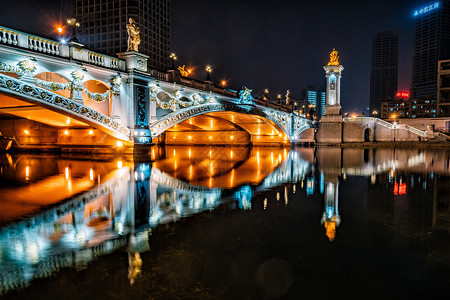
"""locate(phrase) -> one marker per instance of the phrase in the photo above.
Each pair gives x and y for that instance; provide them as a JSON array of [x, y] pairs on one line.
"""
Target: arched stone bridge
[[94, 99]]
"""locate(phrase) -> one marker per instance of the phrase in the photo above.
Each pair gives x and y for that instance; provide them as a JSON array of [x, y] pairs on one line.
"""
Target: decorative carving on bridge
[[27, 68], [280, 118], [41, 95], [176, 101], [245, 96], [141, 107]]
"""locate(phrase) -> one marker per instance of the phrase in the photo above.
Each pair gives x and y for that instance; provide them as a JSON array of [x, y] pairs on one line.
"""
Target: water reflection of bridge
[[129, 200]]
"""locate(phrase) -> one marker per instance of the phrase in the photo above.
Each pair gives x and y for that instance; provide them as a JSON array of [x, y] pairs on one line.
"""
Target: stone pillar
[[134, 61], [333, 76], [330, 126]]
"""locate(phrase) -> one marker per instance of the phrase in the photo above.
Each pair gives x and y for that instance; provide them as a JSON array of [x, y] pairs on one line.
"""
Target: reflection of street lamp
[[208, 70], [173, 57], [74, 24]]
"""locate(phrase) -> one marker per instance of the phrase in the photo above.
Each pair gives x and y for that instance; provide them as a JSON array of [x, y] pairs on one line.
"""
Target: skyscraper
[[103, 27], [431, 44], [316, 96], [384, 70]]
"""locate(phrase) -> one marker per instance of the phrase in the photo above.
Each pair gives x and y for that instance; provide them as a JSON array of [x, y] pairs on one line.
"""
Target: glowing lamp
[[66, 132], [26, 132], [60, 30], [91, 132], [119, 144]]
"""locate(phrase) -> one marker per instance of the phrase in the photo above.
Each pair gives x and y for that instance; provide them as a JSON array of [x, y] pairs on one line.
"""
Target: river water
[[227, 223]]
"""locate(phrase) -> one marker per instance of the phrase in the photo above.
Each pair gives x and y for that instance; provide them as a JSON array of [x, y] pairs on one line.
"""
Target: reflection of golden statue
[[183, 71], [133, 36], [330, 230], [134, 266], [334, 58]]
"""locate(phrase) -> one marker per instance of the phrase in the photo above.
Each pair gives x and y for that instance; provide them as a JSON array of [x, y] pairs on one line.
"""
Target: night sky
[[277, 45]]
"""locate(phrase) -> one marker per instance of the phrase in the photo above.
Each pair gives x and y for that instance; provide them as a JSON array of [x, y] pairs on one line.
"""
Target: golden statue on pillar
[[133, 36], [334, 58]]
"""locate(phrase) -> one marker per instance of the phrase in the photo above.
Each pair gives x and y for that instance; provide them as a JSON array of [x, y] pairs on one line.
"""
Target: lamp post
[[74, 24], [208, 70], [173, 57]]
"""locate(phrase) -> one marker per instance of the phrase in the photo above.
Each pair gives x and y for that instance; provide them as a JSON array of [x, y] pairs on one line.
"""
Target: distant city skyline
[[262, 46]]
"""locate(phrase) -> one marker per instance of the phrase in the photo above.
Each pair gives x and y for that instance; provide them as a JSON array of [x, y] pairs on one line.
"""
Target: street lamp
[[173, 57], [223, 83], [208, 70], [74, 24]]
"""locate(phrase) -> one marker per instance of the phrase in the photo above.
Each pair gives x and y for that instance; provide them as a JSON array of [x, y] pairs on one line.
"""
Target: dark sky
[[278, 45]]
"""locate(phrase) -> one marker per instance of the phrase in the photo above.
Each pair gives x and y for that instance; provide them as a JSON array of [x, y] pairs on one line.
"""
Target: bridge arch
[[262, 126], [14, 89]]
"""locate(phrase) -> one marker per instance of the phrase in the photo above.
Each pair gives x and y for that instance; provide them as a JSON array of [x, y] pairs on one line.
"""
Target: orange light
[[223, 83], [190, 137], [119, 144], [231, 137], [26, 132], [189, 71], [91, 132], [60, 30], [66, 132]]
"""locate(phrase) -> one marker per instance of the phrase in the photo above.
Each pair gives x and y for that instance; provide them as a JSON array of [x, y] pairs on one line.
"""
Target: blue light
[[63, 41], [426, 9]]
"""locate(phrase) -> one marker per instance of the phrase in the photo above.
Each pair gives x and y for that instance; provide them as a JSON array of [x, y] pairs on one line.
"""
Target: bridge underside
[[34, 126], [225, 128]]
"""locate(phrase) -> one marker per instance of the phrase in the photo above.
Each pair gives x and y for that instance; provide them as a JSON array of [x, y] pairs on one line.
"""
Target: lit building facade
[[443, 89], [103, 27], [384, 69], [316, 97], [431, 44], [412, 108]]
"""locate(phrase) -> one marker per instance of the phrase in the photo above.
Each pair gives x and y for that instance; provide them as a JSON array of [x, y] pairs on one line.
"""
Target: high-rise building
[[103, 27], [316, 97], [384, 71], [431, 44]]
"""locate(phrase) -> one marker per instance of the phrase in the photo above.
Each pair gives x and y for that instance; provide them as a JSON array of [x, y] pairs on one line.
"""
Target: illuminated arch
[[28, 92], [181, 115]]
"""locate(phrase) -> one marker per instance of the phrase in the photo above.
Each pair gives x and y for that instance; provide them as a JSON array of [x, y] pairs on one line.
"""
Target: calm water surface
[[227, 223]]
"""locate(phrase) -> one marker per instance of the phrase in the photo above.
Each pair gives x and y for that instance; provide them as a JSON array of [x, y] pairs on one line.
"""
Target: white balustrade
[[8, 37], [38, 44]]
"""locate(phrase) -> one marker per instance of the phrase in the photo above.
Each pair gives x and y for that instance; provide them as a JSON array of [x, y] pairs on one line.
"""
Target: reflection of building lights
[[66, 172], [294, 188], [278, 196], [136, 175], [189, 152], [68, 121], [91, 174], [27, 173], [265, 203], [119, 144], [119, 164], [210, 153]]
